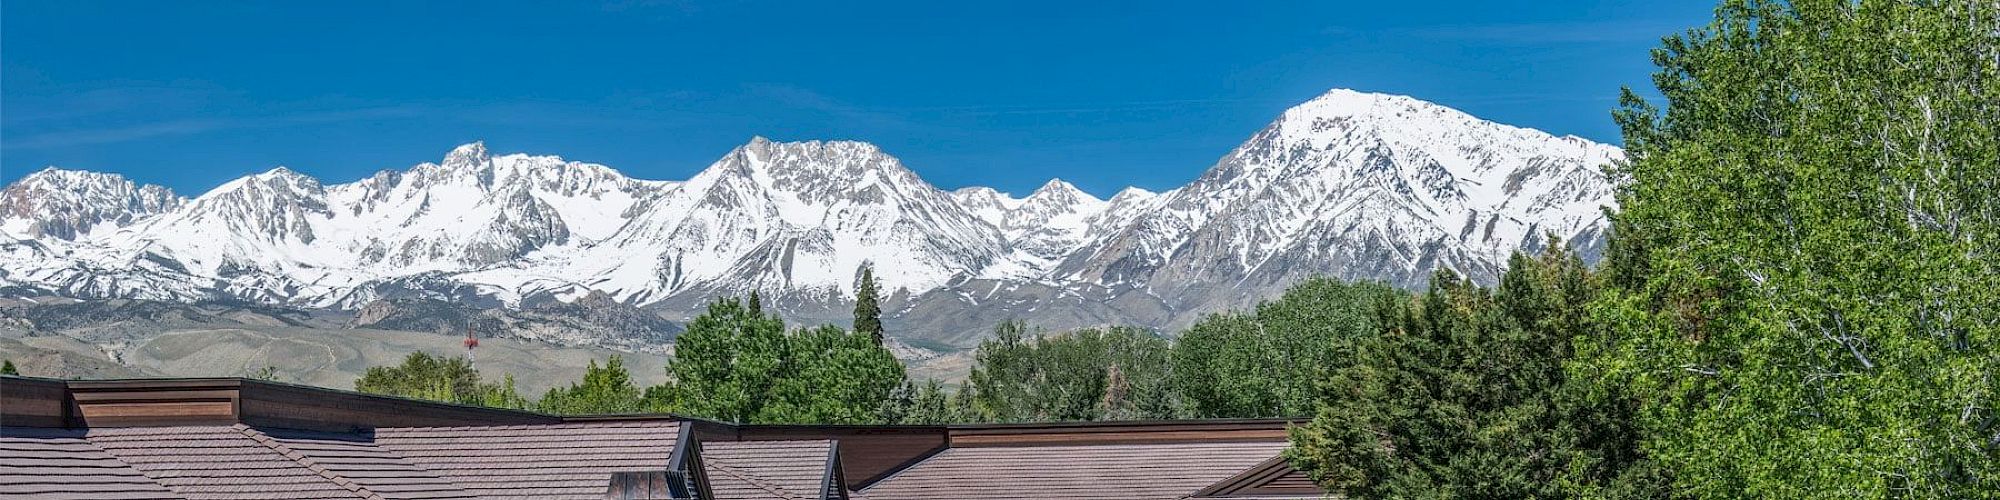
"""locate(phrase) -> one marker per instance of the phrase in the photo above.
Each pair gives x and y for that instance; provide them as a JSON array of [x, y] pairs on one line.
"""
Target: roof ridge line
[[739, 474], [312, 465]]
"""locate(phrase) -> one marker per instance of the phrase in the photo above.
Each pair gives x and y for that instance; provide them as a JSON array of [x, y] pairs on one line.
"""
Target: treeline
[[734, 363], [1259, 363]]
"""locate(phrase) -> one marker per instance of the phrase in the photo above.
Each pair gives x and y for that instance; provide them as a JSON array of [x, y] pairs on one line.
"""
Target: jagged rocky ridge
[[1353, 185]]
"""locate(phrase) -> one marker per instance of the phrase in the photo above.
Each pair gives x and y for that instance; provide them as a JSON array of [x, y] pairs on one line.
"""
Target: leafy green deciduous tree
[[1264, 364], [1071, 376], [438, 378], [1806, 258], [603, 390], [727, 362], [832, 376], [737, 365]]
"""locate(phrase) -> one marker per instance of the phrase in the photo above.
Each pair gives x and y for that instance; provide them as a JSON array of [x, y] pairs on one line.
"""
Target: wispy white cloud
[[190, 126], [810, 100]]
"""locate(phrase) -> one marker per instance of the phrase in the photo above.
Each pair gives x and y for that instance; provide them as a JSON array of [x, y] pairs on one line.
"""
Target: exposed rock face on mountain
[[67, 204], [1043, 228], [1353, 185]]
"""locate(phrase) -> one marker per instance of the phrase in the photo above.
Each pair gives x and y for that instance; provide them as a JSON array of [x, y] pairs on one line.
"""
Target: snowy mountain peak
[[814, 173], [68, 204], [1056, 205], [472, 154], [52, 176], [279, 179], [1358, 185], [1355, 102], [1060, 192], [983, 193], [1131, 194], [52, 171], [284, 173], [815, 155]]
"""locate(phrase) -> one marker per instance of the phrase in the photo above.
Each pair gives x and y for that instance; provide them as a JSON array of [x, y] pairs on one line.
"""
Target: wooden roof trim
[[1112, 424], [1256, 482], [35, 402], [228, 401], [830, 483], [1096, 433], [686, 459]]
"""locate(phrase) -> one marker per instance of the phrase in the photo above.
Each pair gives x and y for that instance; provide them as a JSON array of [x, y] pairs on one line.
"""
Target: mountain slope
[[1350, 184], [1359, 186]]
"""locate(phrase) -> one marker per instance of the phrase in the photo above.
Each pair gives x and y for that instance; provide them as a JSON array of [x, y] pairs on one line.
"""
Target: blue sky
[[1006, 94]]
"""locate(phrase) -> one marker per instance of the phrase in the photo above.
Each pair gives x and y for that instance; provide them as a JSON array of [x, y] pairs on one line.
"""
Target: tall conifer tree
[[867, 309]]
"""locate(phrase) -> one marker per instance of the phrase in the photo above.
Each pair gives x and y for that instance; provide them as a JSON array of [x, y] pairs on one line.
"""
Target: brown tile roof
[[241, 462], [555, 461], [1164, 471], [219, 463], [789, 470], [59, 464], [354, 457]]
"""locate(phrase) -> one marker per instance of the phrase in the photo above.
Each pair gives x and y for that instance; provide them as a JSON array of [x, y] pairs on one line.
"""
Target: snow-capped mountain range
[[1351, 184]]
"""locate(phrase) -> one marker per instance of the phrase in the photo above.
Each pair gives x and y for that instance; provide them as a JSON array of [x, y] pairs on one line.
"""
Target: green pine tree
[[930, 406], [7, 368], [867, 309], [965, 406], [1464, 393]]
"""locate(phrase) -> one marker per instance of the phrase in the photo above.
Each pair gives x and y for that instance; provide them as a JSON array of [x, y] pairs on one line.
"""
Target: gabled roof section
[[789, 470], [353, 458], [867, 452], [220, 463], [551, 461], [1275, 478], [60, 464]]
